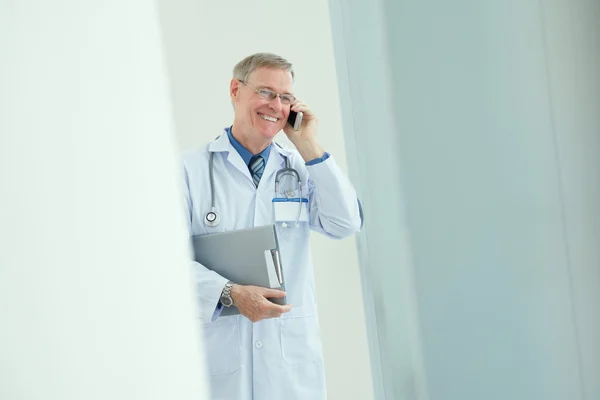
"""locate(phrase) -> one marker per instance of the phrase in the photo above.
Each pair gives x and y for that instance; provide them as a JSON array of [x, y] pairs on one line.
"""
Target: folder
[[244, 256]]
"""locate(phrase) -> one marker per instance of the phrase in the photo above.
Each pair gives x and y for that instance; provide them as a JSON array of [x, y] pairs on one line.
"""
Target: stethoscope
[[212, 218]]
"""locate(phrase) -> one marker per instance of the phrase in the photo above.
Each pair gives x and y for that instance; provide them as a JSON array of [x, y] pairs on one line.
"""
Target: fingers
[[286, 308], [273, 310], [300, 106], [266, 310], [254, 303], [274, 293]]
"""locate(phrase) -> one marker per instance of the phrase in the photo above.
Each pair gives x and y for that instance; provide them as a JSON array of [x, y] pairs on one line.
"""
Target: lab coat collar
[[276, 158], [221, 144], [282, 151]]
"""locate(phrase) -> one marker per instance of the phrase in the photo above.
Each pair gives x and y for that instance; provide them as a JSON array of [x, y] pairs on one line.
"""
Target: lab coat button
[[258, 344]]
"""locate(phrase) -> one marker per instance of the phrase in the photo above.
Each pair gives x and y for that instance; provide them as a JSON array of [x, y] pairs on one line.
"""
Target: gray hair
[[244, 68]]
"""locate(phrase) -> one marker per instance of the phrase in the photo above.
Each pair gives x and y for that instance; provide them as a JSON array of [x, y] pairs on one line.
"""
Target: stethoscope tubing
[[212, 218]]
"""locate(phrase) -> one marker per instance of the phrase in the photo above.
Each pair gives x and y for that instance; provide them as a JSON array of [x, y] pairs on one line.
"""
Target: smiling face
[[256, 118]]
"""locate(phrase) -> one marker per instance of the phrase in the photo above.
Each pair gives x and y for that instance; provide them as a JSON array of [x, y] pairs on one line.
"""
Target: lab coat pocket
[[222, 344], [300, 341]]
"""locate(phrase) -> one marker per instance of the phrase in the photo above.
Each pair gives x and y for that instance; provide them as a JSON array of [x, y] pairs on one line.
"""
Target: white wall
[[572, 37], [368, 99], [496, 145], [204, 40], [96, 299]]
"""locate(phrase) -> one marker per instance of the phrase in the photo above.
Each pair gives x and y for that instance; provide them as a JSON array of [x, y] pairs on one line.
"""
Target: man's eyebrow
[[273, 89]]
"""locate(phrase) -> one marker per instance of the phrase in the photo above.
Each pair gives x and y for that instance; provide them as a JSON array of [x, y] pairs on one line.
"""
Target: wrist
[[309, 150], [235, 292]]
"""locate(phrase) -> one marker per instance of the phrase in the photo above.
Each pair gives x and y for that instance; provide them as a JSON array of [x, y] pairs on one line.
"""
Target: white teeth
[[272, 119]]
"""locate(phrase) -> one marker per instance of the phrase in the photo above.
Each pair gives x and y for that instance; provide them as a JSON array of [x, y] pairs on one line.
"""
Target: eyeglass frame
[[272, 96]]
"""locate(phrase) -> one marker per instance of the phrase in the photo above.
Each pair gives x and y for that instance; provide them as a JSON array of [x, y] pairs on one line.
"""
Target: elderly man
[[269, 351]]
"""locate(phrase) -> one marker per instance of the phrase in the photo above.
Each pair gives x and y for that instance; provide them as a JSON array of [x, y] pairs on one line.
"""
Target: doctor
[[269, 352]]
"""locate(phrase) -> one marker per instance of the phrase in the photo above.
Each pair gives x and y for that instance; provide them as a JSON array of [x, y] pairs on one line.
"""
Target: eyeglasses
[[271, 95]]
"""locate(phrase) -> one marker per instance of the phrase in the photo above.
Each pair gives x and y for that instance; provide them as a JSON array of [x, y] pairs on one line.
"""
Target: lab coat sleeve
[[333, 205], [209, 284]]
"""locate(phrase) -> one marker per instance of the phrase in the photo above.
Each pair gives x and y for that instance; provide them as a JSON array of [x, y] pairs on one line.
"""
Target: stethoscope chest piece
[[212, 218]]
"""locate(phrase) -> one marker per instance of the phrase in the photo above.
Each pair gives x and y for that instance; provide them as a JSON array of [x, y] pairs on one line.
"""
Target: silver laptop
[[245, 256]]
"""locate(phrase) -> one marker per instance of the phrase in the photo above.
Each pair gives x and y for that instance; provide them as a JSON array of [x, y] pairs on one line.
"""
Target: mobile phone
[[295, 119]]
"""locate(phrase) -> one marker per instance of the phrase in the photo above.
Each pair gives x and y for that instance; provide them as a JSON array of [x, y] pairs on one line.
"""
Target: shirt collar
[[244, 153]]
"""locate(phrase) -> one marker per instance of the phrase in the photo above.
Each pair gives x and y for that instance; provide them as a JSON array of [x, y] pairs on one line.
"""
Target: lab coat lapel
[[222, 144], [276, 161]]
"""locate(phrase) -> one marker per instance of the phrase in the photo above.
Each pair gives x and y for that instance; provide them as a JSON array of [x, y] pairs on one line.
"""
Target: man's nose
[[275, 104]]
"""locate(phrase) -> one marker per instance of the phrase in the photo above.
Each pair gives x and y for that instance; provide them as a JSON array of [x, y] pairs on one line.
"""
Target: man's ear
[[234, 89]]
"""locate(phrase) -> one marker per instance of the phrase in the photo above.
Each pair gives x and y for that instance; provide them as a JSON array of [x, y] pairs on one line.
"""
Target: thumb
[[273, 293]]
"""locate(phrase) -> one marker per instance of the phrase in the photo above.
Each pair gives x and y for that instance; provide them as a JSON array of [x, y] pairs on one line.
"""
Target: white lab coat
[[273, 359]]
